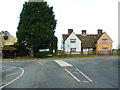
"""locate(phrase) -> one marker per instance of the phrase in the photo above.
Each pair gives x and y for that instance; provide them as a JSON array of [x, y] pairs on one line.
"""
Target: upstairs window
[[72, 49], [104, 40], [104, 49], [72, 40], [6, 33]]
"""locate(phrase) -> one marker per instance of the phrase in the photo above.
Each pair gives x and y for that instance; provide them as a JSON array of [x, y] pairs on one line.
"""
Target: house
[[71, 43], [35, 0], [115, 51], [7, 44], [86, 43]]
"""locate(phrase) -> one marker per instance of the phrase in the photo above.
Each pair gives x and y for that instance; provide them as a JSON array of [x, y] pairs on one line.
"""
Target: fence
[[90, 53]]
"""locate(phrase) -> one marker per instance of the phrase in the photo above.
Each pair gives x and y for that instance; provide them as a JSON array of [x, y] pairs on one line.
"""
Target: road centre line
[[84, 75], [14, 79], [62, 63], [72, 75]]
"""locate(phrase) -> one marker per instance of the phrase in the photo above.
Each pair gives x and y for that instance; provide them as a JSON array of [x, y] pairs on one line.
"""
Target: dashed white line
[[14, 79], [84, 75], [72, 75], [86, 81]]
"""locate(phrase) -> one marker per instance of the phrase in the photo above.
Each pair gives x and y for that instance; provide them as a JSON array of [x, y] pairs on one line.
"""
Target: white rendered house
[[72, 44]]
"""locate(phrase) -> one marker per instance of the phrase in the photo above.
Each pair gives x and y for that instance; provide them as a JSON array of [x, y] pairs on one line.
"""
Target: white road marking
[[42, 63], [8, 69], [62, 63], [14, 79], [3, 83], [86, 81], [84, 75], [72, 75], [21, 61], [12, 74]]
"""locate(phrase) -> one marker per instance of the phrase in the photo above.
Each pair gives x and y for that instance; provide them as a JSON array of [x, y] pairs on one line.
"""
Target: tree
[[34, 28]]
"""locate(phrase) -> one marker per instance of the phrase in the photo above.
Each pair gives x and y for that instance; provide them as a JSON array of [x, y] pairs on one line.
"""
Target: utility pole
[[51, 40], [1, 60], [1, 44]]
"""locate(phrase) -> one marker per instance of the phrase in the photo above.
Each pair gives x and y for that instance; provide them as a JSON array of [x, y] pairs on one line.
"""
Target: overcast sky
[[78, 15]]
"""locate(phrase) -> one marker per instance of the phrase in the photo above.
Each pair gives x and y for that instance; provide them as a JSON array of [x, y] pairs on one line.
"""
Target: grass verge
[[59, 57]]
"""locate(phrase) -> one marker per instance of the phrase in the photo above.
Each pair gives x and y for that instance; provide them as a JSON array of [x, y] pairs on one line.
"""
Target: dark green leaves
[[34, 29]]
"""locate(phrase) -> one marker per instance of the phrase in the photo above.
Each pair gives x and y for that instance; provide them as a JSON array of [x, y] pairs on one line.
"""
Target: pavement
[[90, 72]]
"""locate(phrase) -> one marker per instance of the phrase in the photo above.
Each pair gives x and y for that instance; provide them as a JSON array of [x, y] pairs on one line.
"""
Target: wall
[[101, 45], [10, 41], [69, 45]]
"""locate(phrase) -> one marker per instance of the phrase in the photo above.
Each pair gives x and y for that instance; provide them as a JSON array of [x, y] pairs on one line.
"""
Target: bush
[[41, 54]]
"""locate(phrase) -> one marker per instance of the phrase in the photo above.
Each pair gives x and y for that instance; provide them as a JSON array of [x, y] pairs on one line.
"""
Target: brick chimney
[[99, 31], [70, 31], [83, 31]]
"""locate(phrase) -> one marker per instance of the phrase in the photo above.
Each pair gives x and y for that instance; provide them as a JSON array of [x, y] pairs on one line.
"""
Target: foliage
[[22, 51], [36, 26], [42, 54]]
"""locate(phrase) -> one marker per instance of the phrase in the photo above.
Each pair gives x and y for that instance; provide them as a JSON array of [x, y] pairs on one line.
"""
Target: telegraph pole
[[1, 44], [51, 40]]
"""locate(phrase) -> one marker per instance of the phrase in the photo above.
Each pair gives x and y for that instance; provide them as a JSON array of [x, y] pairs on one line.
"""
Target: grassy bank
[[59, 57]]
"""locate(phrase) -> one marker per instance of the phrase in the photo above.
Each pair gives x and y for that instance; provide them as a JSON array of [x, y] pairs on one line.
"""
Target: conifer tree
[[36, 27]]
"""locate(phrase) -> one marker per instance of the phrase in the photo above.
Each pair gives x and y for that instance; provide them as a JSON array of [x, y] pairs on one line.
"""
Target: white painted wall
[[69, 45]]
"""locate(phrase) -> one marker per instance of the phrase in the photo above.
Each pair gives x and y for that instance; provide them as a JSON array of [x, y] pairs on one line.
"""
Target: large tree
[[36, 27]]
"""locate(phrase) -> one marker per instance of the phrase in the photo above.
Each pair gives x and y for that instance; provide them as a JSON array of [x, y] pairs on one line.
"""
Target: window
[[5, 33], [72, 49], [72, 40], [90, 48], [104, 40], [104, 49]]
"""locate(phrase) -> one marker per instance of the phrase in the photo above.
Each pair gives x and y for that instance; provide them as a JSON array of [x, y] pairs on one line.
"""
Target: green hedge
[[42, 54]]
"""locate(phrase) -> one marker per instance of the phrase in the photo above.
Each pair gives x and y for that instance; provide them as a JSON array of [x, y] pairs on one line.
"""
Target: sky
[[78, 15]]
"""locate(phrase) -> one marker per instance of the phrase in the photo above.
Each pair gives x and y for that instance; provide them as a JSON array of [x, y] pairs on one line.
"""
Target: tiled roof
[[88, 40], [65, 36]]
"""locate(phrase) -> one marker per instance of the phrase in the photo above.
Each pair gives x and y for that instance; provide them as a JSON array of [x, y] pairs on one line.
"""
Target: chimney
[[70, 31], [83, 31], [35, 0], [99, 31]]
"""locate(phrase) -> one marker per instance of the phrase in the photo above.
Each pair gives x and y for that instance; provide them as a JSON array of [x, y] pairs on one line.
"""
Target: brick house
[[89, 43]]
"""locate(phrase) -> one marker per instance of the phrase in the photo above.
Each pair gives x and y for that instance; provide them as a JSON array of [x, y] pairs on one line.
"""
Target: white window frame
[[72, 49], [72, 40], [104, 40], [105, 49]]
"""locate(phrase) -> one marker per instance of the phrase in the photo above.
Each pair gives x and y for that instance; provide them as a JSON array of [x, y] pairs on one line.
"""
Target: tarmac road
[[92, 72]]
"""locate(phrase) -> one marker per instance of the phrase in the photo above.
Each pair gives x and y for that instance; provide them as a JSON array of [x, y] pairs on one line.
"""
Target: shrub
[[41, 54]]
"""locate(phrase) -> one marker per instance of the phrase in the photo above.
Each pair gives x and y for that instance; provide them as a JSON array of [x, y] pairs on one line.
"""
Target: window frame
[[104, 41], [72, 40], [105, 49], [72, 49]]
